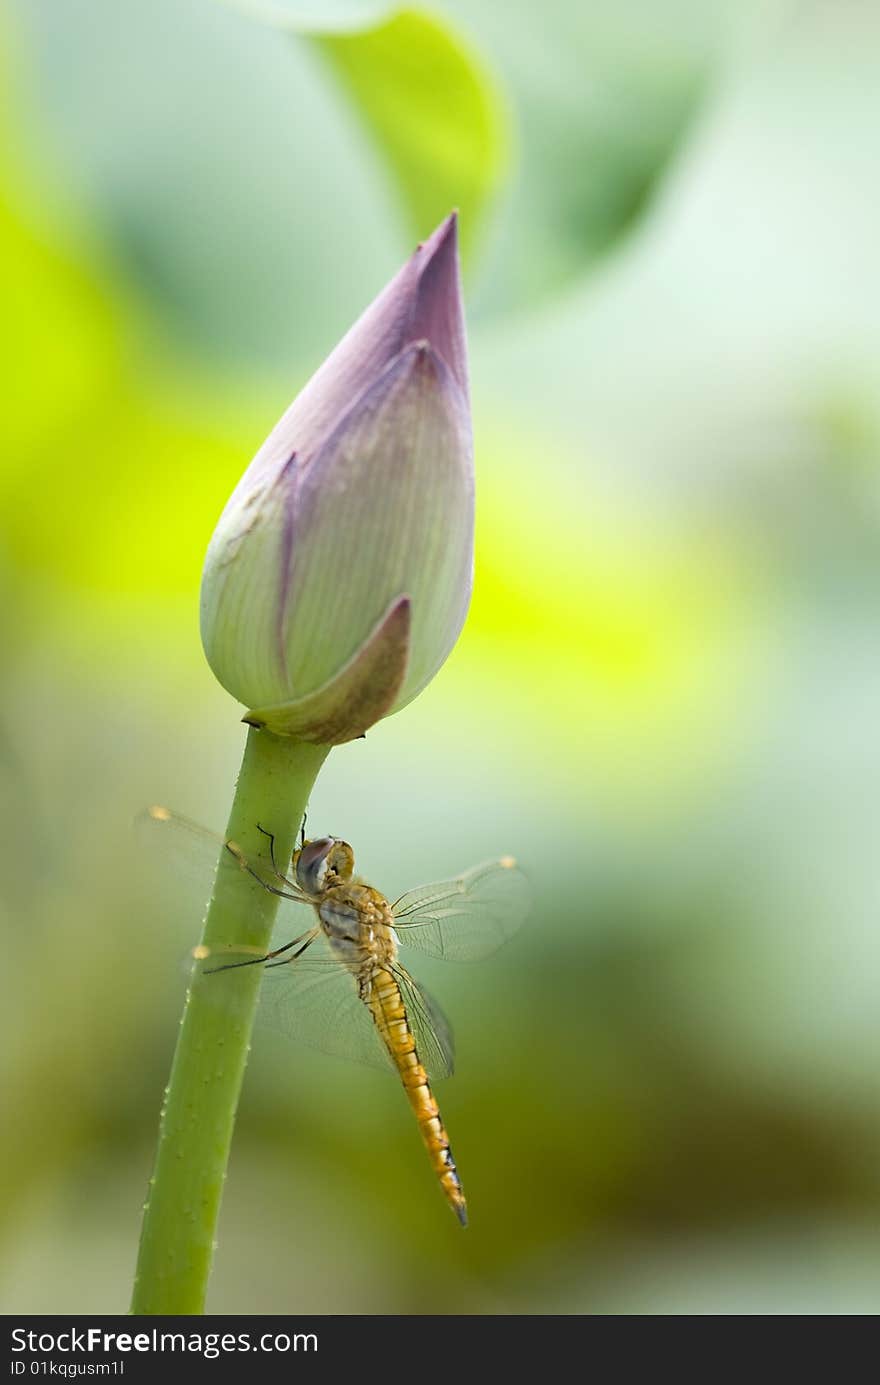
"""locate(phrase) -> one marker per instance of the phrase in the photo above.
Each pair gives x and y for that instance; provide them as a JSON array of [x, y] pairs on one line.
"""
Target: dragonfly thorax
[[341, 921], [356, 919], [322, 864]]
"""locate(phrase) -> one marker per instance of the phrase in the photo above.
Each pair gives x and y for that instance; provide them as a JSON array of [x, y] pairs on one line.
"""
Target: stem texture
[[195, 1131]]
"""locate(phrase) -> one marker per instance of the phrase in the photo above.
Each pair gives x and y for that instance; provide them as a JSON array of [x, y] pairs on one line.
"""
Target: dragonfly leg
[[267, 957], [273, 889], [279, 875], [288, 960]]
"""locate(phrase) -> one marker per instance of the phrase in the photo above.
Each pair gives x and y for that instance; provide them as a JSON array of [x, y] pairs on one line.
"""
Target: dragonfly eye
[[323, 863], [311, 864]]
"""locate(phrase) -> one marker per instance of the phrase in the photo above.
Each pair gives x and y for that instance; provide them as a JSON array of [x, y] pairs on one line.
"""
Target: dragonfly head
[[323, 863]]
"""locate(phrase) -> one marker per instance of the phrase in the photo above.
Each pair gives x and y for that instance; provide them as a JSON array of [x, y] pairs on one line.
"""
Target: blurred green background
[[665, 701]]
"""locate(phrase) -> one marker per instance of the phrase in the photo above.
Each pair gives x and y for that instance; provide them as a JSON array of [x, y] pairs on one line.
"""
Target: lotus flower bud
[[339, 575]]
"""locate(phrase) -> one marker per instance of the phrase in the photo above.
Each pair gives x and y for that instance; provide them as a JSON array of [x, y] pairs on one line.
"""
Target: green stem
[[195, 1132]]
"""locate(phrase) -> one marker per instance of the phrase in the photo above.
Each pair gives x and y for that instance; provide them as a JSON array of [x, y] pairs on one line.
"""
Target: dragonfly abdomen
[[389, 1013]]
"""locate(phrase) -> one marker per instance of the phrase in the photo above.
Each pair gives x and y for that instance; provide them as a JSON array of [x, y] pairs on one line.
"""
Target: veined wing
[[430, 1027], [314, 1000], [465, 919], [173, 844]]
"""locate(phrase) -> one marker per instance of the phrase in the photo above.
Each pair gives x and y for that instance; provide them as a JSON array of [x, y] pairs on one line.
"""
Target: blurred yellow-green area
[[665, 701]]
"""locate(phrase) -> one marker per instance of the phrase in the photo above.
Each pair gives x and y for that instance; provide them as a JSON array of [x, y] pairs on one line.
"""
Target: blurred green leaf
[[603, 98], [432, 108], [318, 15], [428, 101]]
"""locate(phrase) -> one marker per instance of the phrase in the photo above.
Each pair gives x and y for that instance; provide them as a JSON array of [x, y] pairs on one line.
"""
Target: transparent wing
[[172, 845], [430, 1027], [314, 1000], [466, 919]]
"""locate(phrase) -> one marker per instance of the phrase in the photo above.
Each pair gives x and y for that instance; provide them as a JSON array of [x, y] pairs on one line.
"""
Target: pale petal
[[363, 493], [385, 507], [422, 302], [357, 697]]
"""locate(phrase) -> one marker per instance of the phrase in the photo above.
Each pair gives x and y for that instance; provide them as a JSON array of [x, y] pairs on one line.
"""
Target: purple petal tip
[[437, 311]]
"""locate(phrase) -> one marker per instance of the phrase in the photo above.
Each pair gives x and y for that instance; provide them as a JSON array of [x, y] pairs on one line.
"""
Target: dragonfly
[[340, 985]]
